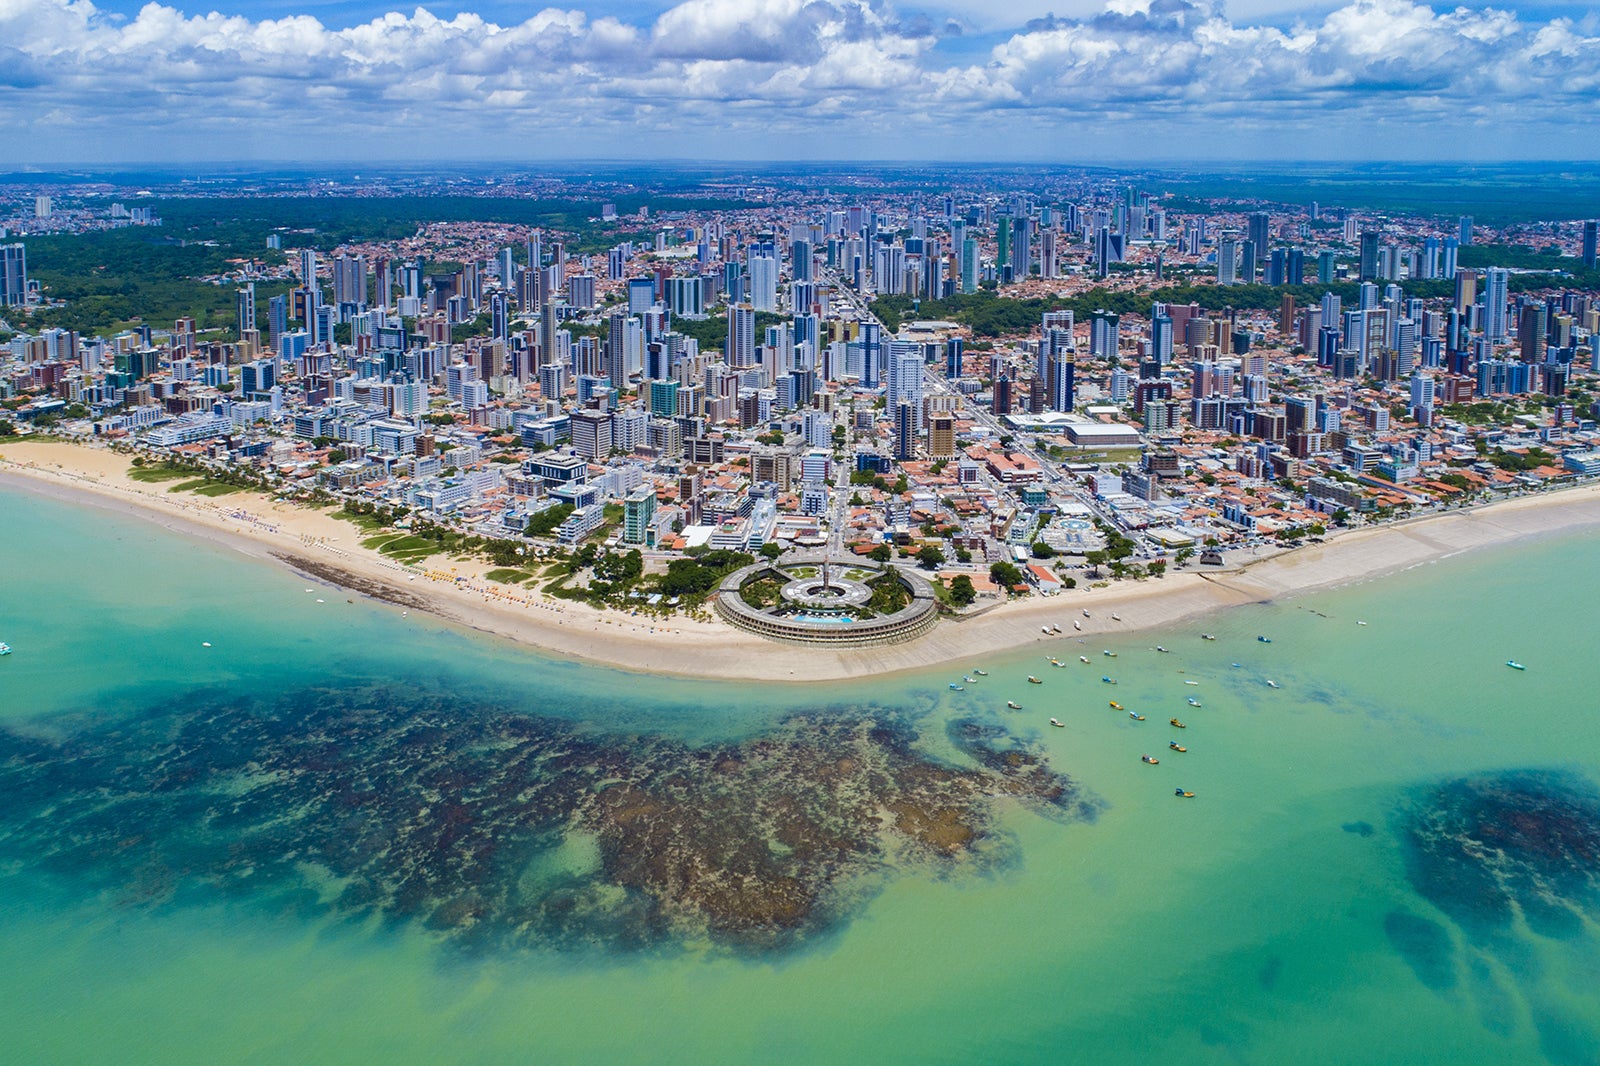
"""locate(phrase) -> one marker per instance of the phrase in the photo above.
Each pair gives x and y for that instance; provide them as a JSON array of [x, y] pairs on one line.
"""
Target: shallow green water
[[1254, 923]]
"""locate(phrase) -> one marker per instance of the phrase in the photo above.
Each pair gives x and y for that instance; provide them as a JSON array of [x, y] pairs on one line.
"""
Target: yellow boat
[[1177, 723], [1115, 706], [1182, 793], [1034, 680], [1175, 746]]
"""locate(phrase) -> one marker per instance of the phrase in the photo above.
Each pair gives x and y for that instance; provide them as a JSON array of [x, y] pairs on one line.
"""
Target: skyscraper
[[1227, 260], [1591, 233], [1465, 227], [245, 308], [741, 347], [903, 380], [1369, 255], [1260, 235], [13, 275], [763, 282], [969, 265], [1497, 281]]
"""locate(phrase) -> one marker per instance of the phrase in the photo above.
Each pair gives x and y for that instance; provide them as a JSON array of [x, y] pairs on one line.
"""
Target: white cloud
[[75, 81]]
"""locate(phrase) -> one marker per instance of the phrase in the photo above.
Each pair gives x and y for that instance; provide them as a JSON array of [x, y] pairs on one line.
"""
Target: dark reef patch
[[1360, 829], [1488, 847], [499, 830], [1426, 947]]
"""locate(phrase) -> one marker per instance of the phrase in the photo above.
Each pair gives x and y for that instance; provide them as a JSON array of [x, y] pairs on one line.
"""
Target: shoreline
[[324, 548]]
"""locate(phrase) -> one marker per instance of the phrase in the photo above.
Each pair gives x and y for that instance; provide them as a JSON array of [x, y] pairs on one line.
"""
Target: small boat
[[1086, 612], [1193, 702], [1083, 658], [1108, 653], [1034, 680], [1136, 716], [1208, 636], [1109, 680], [1265, 640], [1515, 665], [1014, 705], [205, 644], [5, 649], [1271, 683], [1191, 682], [1045, 630], [1054, 628], [1115, 706], [1151, 759], [957, 688], [1076, 625], [1052, 660], [1361, 623], [1236, 666], [1177, 724], [1057, 723], [1161, 649], [1175, 746], [981, 673], [1182, 793], [1115, 617], [970, 680]]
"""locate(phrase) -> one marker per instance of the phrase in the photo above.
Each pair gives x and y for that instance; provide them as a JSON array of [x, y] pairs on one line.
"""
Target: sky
[[1081, 81]]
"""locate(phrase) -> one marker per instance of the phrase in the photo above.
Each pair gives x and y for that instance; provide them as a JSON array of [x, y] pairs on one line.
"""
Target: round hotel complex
[[842, 604]]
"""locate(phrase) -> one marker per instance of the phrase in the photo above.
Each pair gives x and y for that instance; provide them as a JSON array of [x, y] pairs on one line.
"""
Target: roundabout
[[843, 603]]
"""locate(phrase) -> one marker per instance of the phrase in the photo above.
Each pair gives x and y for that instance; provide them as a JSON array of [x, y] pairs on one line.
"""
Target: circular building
[[842, 603]]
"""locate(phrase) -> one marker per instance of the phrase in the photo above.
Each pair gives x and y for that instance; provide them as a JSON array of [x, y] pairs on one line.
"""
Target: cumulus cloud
[[759, 67]]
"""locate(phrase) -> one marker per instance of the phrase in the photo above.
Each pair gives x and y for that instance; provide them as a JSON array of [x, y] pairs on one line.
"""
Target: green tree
[[1095, 560], [881, 553], [1005, 573], [929, 557], [1041, 550], [962, 592], [771, 551], [545, 522]]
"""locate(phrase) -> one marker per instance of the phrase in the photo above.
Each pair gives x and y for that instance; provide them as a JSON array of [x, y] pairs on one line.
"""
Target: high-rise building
[[1591, 234], [1259, 234], [1369, 255], [969, 265], [1497, 282], [350, 280], [763, 282], [244, 308], [1227, 260], [1465, 230], [740, 349], [1532, 326], [903, 379], [13, 275]]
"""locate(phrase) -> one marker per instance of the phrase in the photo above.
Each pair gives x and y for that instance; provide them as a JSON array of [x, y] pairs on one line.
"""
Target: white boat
[[1208, 636], [1045, 630], [1054, 628], [1191, 682], [1271, 683], [956, 688], [1083, 658], [1086, 612], [1057, 723], [1077, 625], [1115, 617], [5, 649], [981, 673], [1193, 702], [1014, 705], [1160, 648], [970, 680]]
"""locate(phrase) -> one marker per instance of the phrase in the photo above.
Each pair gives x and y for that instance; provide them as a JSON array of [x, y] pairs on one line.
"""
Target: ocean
[[339, 833]]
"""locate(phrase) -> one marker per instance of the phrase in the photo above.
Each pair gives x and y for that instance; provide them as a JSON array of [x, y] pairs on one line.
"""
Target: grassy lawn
[[207, 487], [506, 576], [151, 475]]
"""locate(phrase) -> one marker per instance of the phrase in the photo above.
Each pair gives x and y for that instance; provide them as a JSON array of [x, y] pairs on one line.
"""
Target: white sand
[[458, 592]]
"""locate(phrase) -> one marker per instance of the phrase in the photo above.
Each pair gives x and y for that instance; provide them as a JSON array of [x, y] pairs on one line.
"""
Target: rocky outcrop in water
[[499, 830]]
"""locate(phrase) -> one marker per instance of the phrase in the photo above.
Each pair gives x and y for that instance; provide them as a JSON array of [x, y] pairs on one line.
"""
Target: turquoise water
[[1274, 917]]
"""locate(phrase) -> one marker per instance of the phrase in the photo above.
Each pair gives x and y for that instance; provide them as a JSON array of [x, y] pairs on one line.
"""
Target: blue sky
[[1091, 80]]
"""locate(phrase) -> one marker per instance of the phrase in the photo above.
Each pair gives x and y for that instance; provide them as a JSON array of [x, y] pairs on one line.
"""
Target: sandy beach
[[322, 546]]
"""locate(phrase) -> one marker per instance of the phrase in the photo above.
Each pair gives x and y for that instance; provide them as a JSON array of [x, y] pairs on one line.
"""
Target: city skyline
[[1372, 79]]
